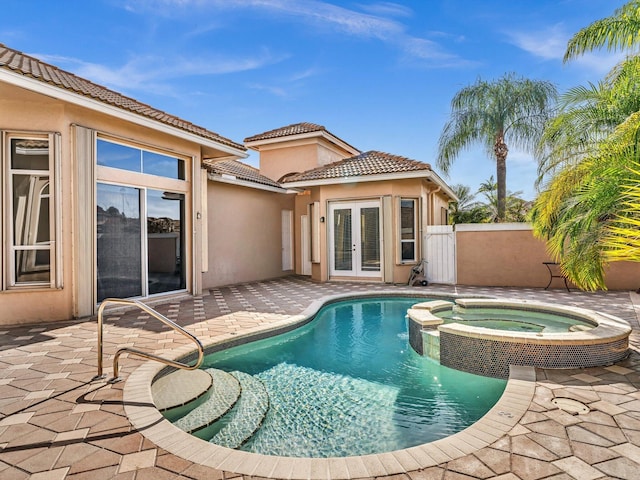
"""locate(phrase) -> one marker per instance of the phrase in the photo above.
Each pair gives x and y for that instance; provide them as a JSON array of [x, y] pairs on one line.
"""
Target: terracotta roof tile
[[293, 129], [239, 170], [32, 67], [367, 163]]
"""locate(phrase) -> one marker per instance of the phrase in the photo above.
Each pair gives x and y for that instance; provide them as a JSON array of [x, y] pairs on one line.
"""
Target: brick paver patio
[[57, 422]]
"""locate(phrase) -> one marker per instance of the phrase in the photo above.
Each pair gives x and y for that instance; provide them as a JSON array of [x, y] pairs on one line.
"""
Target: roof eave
[[244, 183], [363, 178], [256, 144], [445, 188], [53, 91]]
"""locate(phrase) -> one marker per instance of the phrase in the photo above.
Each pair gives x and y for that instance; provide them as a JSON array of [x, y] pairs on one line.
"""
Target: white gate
[[440, 254]]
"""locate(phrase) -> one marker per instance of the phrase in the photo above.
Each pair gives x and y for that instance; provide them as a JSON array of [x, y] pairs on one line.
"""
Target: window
[[444, 216], [134, 159], [30, 213], [140, 221], [408, 230]]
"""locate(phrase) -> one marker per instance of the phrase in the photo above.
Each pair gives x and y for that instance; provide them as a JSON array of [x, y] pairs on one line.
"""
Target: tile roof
[[294, 129], [239, 170], [23, 64], [367, 163]]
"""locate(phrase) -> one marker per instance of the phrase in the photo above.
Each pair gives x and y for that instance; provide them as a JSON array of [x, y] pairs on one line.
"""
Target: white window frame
[[145, 181], [414, 240], [53, 246]]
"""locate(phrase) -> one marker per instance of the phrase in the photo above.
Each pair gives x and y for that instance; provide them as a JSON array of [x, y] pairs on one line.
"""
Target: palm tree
[[623, 239], [589, 211], [466, 209], [509, 110], [515, 206], [576, 213], [586, 116], [621, 31]]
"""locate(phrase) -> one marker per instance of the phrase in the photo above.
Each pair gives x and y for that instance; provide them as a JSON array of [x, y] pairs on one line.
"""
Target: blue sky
[[380, 75]]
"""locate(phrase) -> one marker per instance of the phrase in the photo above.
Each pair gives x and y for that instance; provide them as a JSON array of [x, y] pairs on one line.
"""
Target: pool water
[[513, 319], [348, 383]]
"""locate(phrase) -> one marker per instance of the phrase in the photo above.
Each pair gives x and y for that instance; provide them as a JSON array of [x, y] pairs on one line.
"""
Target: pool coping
[[146, 418], [606, 329]]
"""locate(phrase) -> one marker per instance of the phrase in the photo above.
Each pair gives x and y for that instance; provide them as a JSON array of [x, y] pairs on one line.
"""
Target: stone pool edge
[[145, 417]]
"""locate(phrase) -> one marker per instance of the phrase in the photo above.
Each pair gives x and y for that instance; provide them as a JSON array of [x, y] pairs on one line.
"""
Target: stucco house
[[104, 196], [358, 215]]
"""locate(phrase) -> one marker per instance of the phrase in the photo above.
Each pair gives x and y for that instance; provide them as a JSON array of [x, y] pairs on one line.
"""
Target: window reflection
[[408, 229], [118, 242], [121, 237], [165, 240], [137, 160], [30, 210]]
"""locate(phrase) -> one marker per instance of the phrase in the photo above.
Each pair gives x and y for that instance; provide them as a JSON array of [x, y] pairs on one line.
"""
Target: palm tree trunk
[[501, 151]]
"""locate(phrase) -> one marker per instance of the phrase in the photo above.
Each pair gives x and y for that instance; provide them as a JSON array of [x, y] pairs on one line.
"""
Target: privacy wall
[[508, 255]]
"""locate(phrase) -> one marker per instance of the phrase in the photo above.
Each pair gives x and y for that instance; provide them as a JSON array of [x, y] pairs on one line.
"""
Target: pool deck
[[56, 422]]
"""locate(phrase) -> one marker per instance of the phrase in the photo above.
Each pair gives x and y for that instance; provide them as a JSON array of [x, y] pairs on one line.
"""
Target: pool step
[[246, 417], [177, 392], [223, 395]]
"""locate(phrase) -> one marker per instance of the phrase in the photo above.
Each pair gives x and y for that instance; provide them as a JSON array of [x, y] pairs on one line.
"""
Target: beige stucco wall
[[393, 189], [22, 110], [245, 235], [500, 258], [27, 112], [274, 163], [509, 255], [298, 156]]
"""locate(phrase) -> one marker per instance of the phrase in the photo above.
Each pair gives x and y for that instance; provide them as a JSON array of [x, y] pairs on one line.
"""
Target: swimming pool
[[348, 383]]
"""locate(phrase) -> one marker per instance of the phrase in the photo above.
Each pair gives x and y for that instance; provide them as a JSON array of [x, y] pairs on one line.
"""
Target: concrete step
[[172, 392], [224, 393], [245, 419]]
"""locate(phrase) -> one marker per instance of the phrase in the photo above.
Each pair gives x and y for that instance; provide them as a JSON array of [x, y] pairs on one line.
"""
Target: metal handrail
[[140, 353]]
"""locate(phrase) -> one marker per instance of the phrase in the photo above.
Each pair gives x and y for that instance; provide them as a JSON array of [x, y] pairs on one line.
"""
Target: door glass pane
[[342, 239], [165, 241], [370, 239], [118, 237]]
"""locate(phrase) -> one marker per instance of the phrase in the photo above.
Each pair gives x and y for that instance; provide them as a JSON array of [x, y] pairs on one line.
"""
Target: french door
[[354, 239]]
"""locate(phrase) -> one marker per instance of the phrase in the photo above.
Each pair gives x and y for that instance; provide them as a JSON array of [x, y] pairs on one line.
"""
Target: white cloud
[[376, 21], [600, 63], [152, 71], [387, 8], [277, 91], [548, 44], [551, 44], [308, 73], [519, 157]]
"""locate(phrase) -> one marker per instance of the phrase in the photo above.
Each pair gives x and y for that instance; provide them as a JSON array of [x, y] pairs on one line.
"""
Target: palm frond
[[621, 31]]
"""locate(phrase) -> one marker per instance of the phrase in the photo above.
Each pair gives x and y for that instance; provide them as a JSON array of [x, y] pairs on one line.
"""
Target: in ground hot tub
[[485, 336]]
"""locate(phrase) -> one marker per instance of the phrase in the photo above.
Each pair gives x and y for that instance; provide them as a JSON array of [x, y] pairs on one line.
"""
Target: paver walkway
[[56, 422]]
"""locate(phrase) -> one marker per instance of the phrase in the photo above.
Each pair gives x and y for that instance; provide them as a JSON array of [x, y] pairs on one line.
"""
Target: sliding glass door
[[119, 249], [140, 241], [165, 241]]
